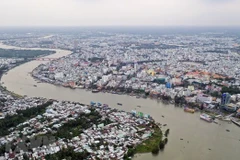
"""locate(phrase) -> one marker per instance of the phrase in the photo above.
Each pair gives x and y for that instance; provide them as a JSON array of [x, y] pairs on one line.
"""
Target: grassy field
[[151, 143]]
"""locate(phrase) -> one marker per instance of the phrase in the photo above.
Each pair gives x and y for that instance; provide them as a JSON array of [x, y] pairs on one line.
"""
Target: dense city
[[199, 72], [95, 132], [193, 69], [119, 80], [35, 128]]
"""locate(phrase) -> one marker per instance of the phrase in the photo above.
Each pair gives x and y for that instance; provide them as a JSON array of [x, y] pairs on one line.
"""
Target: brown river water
[[201, 140]]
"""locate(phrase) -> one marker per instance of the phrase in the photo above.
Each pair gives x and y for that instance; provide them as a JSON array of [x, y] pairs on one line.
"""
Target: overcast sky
[[119, 12]]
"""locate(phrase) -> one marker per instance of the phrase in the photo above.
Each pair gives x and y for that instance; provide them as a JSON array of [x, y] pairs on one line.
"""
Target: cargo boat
[[206, 117], [186, 109]]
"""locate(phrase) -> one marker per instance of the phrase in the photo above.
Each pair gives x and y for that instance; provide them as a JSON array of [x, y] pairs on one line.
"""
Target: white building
[[204, 98]]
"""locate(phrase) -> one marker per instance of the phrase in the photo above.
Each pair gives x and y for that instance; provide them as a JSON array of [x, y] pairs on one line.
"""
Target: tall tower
[[75, 45], [135, 67]]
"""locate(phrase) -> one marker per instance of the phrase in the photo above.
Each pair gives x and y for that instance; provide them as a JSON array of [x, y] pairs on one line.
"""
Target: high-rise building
[[75, 45], [126, 56], [225, 103], [225, 99]]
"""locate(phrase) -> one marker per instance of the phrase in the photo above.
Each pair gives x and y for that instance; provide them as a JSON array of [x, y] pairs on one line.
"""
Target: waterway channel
[[201, 140]]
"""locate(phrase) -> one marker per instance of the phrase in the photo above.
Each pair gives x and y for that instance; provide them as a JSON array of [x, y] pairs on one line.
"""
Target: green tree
[[162, 145], [165, 140], [155, 150], [25, 157], [166, 132]]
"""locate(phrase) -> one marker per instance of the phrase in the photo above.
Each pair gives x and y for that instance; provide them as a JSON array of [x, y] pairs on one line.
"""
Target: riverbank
[[195, 140], [26, 58], [75, 72], [153, 137], [194, 104]]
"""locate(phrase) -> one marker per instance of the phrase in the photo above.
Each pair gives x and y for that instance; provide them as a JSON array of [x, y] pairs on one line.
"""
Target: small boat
[[236, 122], [227, 119], [92, 103], [105, 105], [186, 109], [215, 121], [139, 106], [120, 104], [95, 91], [144, 97], [81, 86], [73, 87], [219, 116], [99, 104], [131, 94], [34, 85], [206, 117]]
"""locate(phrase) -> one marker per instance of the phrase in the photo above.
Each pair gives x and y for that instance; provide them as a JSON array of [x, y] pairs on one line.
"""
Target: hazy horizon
[[145, 30], [45, 13]]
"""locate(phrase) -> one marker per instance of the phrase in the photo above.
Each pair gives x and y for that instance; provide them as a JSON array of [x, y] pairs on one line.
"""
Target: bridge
[[44, 59]]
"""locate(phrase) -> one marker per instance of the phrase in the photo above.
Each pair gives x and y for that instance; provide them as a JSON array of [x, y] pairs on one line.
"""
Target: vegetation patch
[[10, 53], [68, 154], [152, 143], [76, 127], [23, 115]]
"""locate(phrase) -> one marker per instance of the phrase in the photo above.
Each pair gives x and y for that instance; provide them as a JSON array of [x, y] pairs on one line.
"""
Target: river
[[201, 140]]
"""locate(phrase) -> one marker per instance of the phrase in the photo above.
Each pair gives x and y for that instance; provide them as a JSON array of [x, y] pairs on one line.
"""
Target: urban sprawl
[[199, 72]]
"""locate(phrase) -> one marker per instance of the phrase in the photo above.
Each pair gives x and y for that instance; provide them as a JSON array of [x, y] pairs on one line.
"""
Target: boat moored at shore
[[95, 91], [189, 110], [92, 103], [206, 117]]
